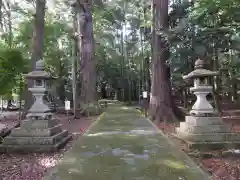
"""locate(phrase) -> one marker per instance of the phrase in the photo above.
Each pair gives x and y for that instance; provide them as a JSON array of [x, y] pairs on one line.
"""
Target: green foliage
[[12, 65], [203, 28], [210, 31]]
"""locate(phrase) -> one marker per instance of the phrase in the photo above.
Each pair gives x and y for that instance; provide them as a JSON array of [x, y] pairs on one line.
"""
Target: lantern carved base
[[202, 107], [36, 136], [40, 132], [207, 133]]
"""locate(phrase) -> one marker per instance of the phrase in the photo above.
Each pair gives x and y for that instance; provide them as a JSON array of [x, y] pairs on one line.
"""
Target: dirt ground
[[32, 166], [218, 165]]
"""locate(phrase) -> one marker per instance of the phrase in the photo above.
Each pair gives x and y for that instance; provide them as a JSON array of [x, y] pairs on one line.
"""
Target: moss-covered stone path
[[123, 145]]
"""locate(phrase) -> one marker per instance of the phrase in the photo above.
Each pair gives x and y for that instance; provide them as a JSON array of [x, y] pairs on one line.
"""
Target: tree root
[[163, 113]]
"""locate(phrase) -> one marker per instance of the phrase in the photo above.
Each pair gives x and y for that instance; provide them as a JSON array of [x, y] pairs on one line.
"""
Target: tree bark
[[162, 107], [10, 33], [86, 48], [74, 62], [1, 18], [103, 91], [38, 35], [37, 51]]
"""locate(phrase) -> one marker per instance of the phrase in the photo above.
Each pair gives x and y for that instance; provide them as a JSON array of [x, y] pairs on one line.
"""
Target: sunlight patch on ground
[[102, 133], [124, 107], [130, 133], [174, 164], [48, 162], [69, 160], [142, 132], [79, 169], [76, 133]]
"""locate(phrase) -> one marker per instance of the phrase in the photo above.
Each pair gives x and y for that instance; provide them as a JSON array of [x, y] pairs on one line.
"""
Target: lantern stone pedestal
[[204, 128], [40, 131]]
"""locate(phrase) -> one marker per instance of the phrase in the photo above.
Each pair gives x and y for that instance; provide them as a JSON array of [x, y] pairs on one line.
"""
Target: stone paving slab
[[123, 145]]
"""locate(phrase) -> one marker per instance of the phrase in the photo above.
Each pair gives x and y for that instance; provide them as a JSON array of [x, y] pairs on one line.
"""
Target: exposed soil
[[33, 165], [219, 166], [10, 120]]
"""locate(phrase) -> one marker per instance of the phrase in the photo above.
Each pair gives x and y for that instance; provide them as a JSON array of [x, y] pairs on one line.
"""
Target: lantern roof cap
[[200, 71], [39, 72], [40, 65]]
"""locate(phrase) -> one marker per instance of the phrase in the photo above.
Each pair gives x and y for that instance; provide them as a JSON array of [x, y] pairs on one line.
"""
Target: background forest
[[123, 48], [99, 50]]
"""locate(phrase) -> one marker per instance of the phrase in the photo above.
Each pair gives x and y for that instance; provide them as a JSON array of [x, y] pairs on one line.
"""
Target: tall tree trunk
[[61, 82], [37, 50], [38, 35], [86, 49], [74, 62], [103, 90], [10, 33], [122, 66], [1, 17], [162, 107], [234, 87], [233, 80], [148, 77]]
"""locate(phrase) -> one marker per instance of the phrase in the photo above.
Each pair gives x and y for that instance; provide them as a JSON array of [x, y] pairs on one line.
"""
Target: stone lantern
[[204, 128], [41, 85], [40, 131], [201, 89]]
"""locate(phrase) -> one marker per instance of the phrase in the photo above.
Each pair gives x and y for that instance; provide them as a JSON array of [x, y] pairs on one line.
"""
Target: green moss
[[91, 109], [124, 145]]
